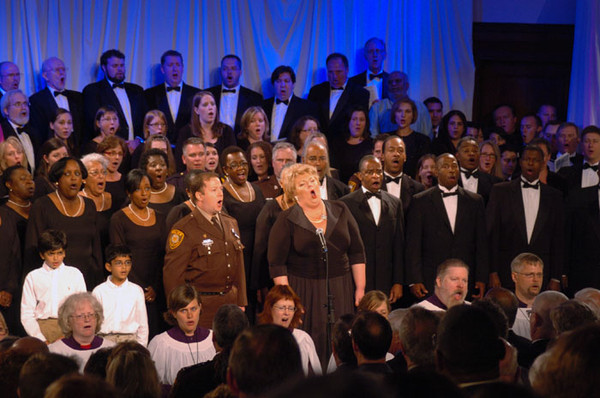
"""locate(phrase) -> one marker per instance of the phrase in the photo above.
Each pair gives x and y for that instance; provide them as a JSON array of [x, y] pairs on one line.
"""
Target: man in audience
[[451, 286], [232, 98], [283, 153], [398, 363], [436, 111], [568, 143], [506, 119], [380, 115], [591, 297], [193, 157], [508, 161], [335, 96], [381, 222], [127, 98], [263, 358], [531, 126], [527, 272], [547, 114], [316, 154], [395, 181], [371, 339], [526, 216], [584, 174], [571, 315], [285, 107], [471, 179], [15, 109], [549, 133], [10, 77], [46, 102], [41, 370], [417, 338], [444, 222], [341, 344], [547, 176], [173, 97], [374, 79]]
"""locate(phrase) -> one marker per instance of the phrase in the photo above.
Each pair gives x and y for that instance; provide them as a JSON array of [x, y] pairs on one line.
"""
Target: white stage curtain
[[429, 40], [584, 90]]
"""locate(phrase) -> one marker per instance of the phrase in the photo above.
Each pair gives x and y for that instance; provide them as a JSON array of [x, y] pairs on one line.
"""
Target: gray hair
[[68, 307], [90, 158], [525, 258], [6, 100], [284, 145]]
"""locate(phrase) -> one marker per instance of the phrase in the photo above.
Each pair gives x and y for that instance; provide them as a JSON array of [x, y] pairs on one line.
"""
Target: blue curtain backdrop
[[429, 40]]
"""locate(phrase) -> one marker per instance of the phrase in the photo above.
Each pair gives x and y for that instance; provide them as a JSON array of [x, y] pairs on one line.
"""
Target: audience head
[[375, 54], [452, 282], [10, 76], [489, 154], [426, 172], [155, 162], [436, 110], [283, 80], [591, 297], [358, 123], [183, 309], [51, 246], [341, 341], [375, 301], [283, 153], [29, 345], [316, 154], [41, 370], [15, 107], [370, 173], [113, 148], [282, 307], [568, 137], [155, 122], [300, 173], [304, 127], [204, 112], [571, 315], [496, 314], [50, 152], [395, 319], [96, 365], [417, 336], [531, 126], [397, 86], [507, 301], [467, 153], [505, 118], [171, 65], [254, 124], [447, 170], [54, 73], [193, 154], [260, 154], [547, 113], [231, 71], [4, 332], [404, 113], [337, 69], [394, 155], [61, 124], [206, 190], [228, 323], [112, 63], [540, 322], [378, 145], [131, 370], [454, 125], [11, 154], [549, 132], [532, 162], [591, 144], [70, 386], [80, 316], [371, 337], [106, 121], [508, 161], [527, 272]]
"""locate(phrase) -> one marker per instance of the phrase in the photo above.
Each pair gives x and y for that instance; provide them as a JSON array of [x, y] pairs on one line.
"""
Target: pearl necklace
[[250, 191], [102, 195], [321, 218], [160, 191], [65, 209], [141, 219], [16, 204]]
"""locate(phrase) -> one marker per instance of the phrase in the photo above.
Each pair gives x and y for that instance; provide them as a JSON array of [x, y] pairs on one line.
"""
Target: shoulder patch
[[175, 238]]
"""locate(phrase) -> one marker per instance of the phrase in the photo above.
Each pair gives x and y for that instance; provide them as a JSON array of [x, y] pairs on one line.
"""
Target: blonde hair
[[247, 118], [149, 118], [295, 171], [15, 143]]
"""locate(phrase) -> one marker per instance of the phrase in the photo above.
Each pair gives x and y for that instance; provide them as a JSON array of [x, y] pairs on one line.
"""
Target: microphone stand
[[330, 297]]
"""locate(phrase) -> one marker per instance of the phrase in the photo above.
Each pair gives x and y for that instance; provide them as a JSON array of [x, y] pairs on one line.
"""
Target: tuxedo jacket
[[352, 95], [484, 185], [336, 189], [505, 216], [156, 98], [36, 142], [361, 81], [101, 93], [384, 242], [430, 240], [565, 160], [408, 189], [297, 108], [43, 109], [247, 98]]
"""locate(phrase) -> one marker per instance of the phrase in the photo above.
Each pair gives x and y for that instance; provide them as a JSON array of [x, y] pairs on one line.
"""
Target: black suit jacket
[[352, 95], [156, 98], [505, 215], [336, 189], [43, 109], [101, 93], [297, 108], [384, 242], [572, 176], [484, 185], [430, 240], [361, 81], [247, 98], [408, 189]]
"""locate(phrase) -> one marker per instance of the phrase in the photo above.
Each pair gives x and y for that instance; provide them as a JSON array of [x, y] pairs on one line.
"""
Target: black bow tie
[[370, 194], [231, 91], [374, 76], [176, 88], [21, 130], [586, 165], [468, 174], [57, 93], [446, 194], [278, 101], [337, 88], [118, 85], [528, 185], [395, 180]]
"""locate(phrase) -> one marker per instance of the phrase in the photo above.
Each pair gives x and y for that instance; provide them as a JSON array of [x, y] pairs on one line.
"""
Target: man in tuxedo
[[471, 179], [546, 175], [232, 98], [173, 97], [46, 102], [10, 77], [335, 96], [531, 127], [316, 154], [527, 272], [526, 216], [446, 221], [127, 98], [374, 79], [508, 161], [568, 142], [436, 111], [381, 222], [585, 174], [395, 181], [285, 108], [15, 110]]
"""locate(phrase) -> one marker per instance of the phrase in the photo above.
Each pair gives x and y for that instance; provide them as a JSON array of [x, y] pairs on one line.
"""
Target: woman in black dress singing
[[296, 258], [164, 196], [404, 113], [113, 149], [142, 229], [76, 216]]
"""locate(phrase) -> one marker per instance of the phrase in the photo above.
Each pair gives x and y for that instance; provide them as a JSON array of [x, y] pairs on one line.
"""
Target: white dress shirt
[[323, 188], [174, 99], [531, 204], [375, 205], [43, 291], [121, 94], [451, 205], [470, 184], [393, 188], [375, 86], [27, 146], [334, 97], [61, 100], [277, 116], [124, 309], [589, 177], [228, 106]]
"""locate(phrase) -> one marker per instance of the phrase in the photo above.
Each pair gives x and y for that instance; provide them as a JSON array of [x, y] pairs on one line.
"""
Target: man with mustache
[[527, 271], [451, 285], [15, 110]]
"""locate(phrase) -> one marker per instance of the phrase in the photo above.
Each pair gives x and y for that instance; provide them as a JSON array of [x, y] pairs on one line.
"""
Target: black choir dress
[[117, 191], [10, 269], [164, 208], [259, 273]]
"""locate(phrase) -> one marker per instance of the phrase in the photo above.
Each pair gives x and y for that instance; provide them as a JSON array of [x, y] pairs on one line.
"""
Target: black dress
[[43, 187], [416, 145], [226, 139], [147, 245], [345, 157], [10, 269], [259, 273], [164, 208], [83, 242]]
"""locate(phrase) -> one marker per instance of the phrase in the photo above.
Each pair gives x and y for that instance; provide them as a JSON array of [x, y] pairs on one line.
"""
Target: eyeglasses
[[84, 317], [488, 155], [530, 275], [20, 104], [12, 75], [109, 119], [113, 153], [157, 124], [119, 263], [96, 173], [238, 165], [282, 308]]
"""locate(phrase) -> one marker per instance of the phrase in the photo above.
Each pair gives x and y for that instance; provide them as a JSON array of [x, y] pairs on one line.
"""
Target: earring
[[296, 198]]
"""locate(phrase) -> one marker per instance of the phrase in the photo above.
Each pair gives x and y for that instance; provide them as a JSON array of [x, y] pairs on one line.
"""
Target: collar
[[435, 300], [206, 215], [365, 190], [111, 82], [179, 85], [48, 268], [53, 90], [522, 304], [14, 126], [72, 343], [385, 173], [112, 284], [534, 182], [338, 89], [236, 88], [324, 182], [445, 190], [3, 91], [199, 334]]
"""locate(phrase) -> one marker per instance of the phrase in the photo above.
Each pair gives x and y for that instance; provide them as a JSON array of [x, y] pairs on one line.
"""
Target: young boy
[[123, 301], [46, 287]]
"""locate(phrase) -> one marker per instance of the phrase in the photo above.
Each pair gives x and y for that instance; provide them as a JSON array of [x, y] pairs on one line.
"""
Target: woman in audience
[[186, 343], [376, 301], [131, 370], [80, 317], [452, 129], [164, 196], [296, 254], [142, 229], [62, 128], [65, 210], [260, 154], [94, 188], [489, 159], [254, 127], [303, 127], [284, 308], [212, 158], [404, 113], [106, 124], [426, 170], [113, 149], [346, 153], [51, 151]]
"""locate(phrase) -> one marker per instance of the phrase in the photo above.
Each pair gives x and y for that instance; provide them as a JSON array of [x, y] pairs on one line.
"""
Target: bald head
[[591, 297], [10, 76], [540, 322], [506, 300]]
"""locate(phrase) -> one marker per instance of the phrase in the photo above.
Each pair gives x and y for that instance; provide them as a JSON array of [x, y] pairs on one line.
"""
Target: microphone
[[321, 236]]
